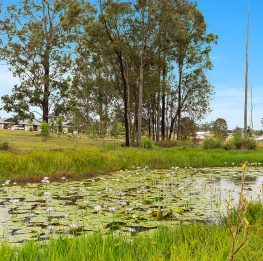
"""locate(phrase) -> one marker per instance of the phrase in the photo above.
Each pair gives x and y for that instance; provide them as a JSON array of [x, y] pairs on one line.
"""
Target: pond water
[[125, 202]]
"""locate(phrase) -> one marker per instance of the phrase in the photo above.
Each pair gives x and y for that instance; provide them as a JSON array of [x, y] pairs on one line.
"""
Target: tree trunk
[[179, 103], [163, 102], [126, 102], [45, 105], [141, 83]]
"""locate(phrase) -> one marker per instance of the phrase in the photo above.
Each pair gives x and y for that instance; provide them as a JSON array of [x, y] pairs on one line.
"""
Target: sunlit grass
[[186, 242], [81, 156]]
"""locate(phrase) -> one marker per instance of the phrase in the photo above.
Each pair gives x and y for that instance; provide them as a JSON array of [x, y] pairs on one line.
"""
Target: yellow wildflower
[[244, 166], [246, 222]]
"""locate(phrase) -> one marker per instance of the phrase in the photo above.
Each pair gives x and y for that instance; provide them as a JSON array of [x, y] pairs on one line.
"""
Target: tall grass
[[83, 162], [184, 242]]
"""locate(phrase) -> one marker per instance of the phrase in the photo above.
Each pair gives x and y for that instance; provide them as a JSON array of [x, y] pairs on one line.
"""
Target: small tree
[[188, 128], [59, 125], [219, 129], [44, 129]]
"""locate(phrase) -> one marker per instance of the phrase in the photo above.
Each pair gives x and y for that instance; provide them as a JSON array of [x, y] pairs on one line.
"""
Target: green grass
[[32, 158], [184, 242]]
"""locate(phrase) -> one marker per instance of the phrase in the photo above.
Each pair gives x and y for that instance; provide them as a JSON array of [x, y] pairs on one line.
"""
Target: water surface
[[125, 202]]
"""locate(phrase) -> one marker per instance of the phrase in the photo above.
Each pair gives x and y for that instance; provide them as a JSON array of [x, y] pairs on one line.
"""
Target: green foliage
[[44, 129], [147, 143], [117, 130], [188, 128], [238, 143], [175, 143], [219, 128], [59, 125], [182, 242], [5, 145], [211, 143], [254, 214]]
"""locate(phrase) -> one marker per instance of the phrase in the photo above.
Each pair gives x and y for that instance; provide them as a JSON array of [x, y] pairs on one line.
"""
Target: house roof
[[6, 120], [28, 122]]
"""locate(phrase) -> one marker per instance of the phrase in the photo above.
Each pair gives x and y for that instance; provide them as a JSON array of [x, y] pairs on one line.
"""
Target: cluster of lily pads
[[127, 201]]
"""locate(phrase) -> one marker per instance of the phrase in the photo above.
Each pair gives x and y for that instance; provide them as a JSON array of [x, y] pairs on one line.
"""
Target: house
[[6, 123], [259, 139], [28, 125]]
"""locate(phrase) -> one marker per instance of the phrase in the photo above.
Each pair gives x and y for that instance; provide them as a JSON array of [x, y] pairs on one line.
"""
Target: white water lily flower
[[131, 229], [50, 227], [73, 225], [123, 203], [63, 178], [14, 183], [98, 208], [14, 201], [7, 182], [149, 211], [129, 209], [138, 204], [112, 209]]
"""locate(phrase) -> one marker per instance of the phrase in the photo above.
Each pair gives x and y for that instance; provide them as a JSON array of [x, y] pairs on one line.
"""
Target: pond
[[128, 201]]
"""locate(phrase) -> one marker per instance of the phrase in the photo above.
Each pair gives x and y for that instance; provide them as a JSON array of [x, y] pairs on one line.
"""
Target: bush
[[240, 143], [211, 143], [44, 129], [5, 145], [147, 143]]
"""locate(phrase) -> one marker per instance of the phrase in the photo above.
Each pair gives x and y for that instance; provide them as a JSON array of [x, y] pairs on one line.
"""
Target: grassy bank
[[84, 162], [77, 157], [192, 242]]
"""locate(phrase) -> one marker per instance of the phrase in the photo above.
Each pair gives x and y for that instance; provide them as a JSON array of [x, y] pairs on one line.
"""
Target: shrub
[[147, 143], [5, 145], [44, 129], [211, 143], [240, 143]]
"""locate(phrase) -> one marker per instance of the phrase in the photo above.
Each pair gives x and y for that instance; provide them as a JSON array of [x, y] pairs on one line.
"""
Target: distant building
[[6, 123], [259, 139], [202, 135], [29, 125]]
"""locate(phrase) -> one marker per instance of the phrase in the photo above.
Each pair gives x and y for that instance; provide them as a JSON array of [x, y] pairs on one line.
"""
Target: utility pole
[[246, 74]]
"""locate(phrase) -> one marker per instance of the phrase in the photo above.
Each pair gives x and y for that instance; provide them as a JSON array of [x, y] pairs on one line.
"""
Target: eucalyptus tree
[[196, 93], [108, 36], [37, 47], [192, 45]]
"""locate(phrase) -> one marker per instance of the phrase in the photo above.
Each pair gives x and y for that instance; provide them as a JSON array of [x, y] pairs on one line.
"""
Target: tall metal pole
[[246, 75]]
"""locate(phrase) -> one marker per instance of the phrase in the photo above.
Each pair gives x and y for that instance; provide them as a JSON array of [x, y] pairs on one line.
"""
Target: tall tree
[[192, 46], [37, 45]]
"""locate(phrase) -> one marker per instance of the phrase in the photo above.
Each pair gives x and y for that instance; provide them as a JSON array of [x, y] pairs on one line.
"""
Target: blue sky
[[228, 19]]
